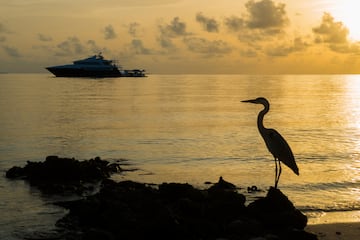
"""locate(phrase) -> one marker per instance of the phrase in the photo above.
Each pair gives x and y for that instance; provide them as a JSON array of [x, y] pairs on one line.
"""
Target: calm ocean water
[[182, 128]]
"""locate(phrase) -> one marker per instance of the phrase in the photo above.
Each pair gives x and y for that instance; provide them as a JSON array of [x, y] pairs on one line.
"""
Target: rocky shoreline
[[132, 210]]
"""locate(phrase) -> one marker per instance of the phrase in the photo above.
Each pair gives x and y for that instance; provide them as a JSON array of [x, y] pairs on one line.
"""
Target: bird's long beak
[[249, 101]]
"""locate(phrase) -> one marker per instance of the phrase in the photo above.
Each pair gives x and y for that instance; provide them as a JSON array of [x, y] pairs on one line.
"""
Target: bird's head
[[259, 100]]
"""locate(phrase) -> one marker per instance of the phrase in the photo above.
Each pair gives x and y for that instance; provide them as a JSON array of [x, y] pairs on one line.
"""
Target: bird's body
[[275, 143]]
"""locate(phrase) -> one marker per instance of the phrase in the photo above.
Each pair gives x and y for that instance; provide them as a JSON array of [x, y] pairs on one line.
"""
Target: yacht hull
[[71, 72], [94, 67]]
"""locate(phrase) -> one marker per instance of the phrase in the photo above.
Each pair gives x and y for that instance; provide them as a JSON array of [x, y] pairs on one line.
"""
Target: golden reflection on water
[[318, 115], [193, 128], [352, 116]]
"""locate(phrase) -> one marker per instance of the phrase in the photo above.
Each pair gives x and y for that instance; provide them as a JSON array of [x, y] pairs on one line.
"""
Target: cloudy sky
[[184, 36]]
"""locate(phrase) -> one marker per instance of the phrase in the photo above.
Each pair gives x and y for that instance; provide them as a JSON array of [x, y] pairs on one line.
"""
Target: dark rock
[[96, 234], [297, 235], [62, 175], [277, 212], [64, 169], [253, 189], [225, 203], [132, 210], [222, 185], [15, 172], [246, 227], [173, 191], [127, 209], [225, 206]]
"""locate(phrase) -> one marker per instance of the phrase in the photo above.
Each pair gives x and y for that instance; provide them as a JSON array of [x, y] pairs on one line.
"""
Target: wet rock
[[222, 185], [253, 189], [127, 210], [61, 175], [133, 210], [173, 191], [15, 172], [245, 228], [277, 212], [297, 235]]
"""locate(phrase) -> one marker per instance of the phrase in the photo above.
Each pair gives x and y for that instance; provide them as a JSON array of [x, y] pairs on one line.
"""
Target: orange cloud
[[266, 14], [335, 35], [209, 24]]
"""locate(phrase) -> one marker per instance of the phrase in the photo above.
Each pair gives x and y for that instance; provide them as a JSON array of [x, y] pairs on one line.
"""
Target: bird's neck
[[261, 118]]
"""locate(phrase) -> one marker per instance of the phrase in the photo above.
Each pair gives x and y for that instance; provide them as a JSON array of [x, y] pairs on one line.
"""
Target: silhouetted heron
[[275, 143]]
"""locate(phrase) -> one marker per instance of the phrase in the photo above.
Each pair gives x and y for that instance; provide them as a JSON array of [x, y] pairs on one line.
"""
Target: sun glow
[[347, 12]]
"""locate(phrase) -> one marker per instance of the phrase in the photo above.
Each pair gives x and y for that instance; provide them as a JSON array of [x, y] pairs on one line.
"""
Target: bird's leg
[[276, 172], [278, 176]]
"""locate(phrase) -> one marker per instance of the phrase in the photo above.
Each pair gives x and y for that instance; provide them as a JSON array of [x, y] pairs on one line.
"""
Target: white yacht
[[95, 66]]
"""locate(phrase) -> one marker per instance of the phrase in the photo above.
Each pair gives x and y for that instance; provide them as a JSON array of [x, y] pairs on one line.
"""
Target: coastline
[[175, 210], [336, 226], [186, 212], [335, 231]]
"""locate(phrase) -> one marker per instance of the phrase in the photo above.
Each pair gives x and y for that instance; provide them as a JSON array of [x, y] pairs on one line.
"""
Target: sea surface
[[183, 128]]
